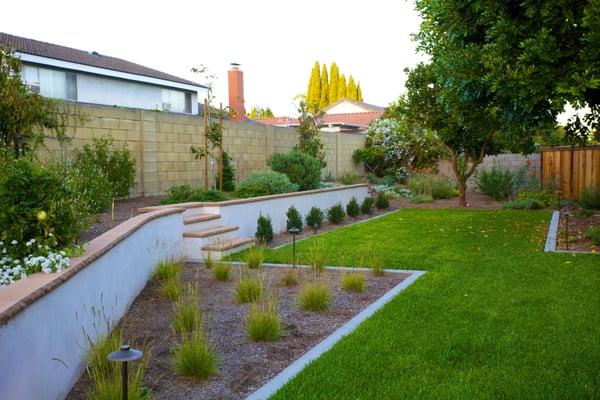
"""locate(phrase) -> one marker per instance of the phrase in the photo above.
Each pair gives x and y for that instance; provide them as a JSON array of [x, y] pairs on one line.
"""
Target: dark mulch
[[578, 225], [244, 365], [124, 209]]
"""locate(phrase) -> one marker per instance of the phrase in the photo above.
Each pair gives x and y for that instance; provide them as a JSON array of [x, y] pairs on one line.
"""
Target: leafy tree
[[341, 87], [359, 96], [351, 89], [324, 100], [259, 112], [309, 134], [313, 95], [334, 76]]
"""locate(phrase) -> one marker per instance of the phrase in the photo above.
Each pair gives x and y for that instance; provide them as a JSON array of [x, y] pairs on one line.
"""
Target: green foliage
[[382, 201], [264, 229], [313, 94], [342, 87], [168, 269], [436, 187], [324, 98], [545, 197], [208, 261], [499, 183], [353, 281], [265, 183], [349, 178], [336, 213], [194, 356], [294, 219], [377, 265], [352, 208], [334, 76], [186, 314], [420, 198], [221, 271], [309, 133], [228, 174], [263, 323], [115, 162], [590, 197], [301, 168], [184, 193], [91, 185], [290, 277], [254, 257], [248, 289], [316, 257], [172, 287], [594, 235], [367, 205], [526, 204], [314, 297], [315, 217], [259, 112]]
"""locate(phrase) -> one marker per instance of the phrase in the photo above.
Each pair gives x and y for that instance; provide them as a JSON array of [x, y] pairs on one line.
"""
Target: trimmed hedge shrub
[[352, 208], [315, 217], [336, 213], [264, 229], [185, 193], [294, 219], [301, 168], [367, 205], [265, 183]]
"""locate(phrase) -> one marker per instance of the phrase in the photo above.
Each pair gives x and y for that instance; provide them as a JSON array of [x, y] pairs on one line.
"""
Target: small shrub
[[316, 257], [265, 183], [228, 174], [590, 197], [336, 213], [186, 314], [91, 184], [382, 201], [255, 257], [294, 219], [349, 178], [367, 205], [420, 198], [376, 266], [499, 183], [352, 208], [594, 235], [290, 277], [353, 281], [185, 193], [315, 217], [171, 288], [443, 188], [248, 290], [301, 168], [328, 176], [263, 323], [374, 179], [546, 198], [208, 261], [194, 356], [264, 229], [314, 297], [527, 204], [167, 269], [221, 271]]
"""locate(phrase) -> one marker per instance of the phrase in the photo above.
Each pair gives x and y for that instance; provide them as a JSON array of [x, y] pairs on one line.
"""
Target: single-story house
[[89, 77]]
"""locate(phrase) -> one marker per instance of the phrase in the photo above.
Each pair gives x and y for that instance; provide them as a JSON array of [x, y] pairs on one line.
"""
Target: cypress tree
[[342, 87], [313, 96], [334, 77], [324, 100], [359, 93], [351, 89]]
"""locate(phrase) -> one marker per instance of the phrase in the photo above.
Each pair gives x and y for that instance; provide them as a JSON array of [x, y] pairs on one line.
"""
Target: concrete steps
[[226, 247]]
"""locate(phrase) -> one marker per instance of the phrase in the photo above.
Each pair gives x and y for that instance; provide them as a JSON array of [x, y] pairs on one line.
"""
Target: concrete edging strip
[[552, 232], [281, 379]]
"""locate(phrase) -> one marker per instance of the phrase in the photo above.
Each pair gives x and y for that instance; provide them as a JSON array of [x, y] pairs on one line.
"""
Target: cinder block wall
[[160, 143]]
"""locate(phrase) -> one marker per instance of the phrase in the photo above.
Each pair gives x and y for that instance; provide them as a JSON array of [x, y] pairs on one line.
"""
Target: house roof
[[93, 59], [355, 119], [366, 106]]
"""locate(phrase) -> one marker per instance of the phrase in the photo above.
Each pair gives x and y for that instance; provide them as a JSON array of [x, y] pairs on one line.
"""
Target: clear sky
[[277, 42]]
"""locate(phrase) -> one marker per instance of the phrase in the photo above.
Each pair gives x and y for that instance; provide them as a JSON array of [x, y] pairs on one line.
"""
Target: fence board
[[570, 169]]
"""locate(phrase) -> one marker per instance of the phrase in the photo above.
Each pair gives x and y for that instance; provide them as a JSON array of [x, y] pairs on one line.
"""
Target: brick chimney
[[236, 92]]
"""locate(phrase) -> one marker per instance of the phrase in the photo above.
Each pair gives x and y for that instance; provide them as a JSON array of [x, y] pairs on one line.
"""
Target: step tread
[[216, 230], [229, 244], [200, 218]]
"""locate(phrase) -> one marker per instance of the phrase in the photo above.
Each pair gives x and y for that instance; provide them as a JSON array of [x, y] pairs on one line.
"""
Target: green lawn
[[494, 318]]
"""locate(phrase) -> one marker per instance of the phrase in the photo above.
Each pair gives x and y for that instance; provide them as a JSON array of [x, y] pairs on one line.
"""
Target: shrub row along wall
[[513, 162], [160, 143]]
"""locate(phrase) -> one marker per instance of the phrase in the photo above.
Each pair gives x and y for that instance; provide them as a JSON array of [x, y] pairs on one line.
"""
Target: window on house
[[176, 101], [57, 84]]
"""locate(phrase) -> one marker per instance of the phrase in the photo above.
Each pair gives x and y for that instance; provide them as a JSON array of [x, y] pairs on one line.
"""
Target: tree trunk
[[462, 194]]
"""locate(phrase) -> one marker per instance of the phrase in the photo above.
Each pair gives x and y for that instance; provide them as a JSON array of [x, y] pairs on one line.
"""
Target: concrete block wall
[[160, 143]]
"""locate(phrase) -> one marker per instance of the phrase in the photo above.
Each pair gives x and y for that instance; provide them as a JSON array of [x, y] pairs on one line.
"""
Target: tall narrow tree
[[324, 100], [313, 95], [341, 87], [358, 93], [351, 89], [334, 77]]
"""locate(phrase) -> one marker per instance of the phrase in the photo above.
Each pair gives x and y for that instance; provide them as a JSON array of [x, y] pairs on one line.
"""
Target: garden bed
[[244, 365], [579, 222]]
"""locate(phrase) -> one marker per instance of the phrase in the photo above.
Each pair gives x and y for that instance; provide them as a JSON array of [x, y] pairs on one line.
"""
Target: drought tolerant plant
[[545, 197], [265, 183], [301, 168], [315, 217], [382, 201], [336, 213], [527, 204], [294, 219], [314, 297], [352, 208], [353, 281], [208, 261], [348, 178], [194, 356], [221, 271], [590, 197], [248, 289], [168, 269], [594, 235], [262, 322], [377, 265], [367, 205], [499, 183], [171, 288], [316, 256], [436, 187], [185, 193], [290, 277], [186, 314], [91, 185], [420, 198], [255, 257], [264, 229]]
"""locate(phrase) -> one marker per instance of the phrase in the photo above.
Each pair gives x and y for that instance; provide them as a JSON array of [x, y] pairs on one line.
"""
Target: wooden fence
[[570, 169]]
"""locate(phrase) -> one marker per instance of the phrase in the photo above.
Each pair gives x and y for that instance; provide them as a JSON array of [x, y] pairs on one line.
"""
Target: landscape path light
[[294, 231], [123, 356]]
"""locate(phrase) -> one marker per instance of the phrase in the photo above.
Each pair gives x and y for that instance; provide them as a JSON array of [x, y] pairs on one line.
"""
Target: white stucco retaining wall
[[42, 349]]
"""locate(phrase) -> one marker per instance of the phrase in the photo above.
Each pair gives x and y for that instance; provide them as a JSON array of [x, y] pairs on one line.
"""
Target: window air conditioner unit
[[34, 88], [166, 106]]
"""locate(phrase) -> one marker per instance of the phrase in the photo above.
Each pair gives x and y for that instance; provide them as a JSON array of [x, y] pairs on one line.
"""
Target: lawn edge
[[552, 233]]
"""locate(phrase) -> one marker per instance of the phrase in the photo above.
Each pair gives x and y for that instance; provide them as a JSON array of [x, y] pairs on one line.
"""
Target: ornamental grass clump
[[353, 281], [248, 289], [290, 277], [294, 219], [377, 266], [314, 297], [194, 356], [383, 201], [171, 288], [208, 261], [221, 271], [167, 269], [316, 256], [352, 208], [255, 257], [367, 205], [186, 313], [336, 214], [263, 323], [315, 217]]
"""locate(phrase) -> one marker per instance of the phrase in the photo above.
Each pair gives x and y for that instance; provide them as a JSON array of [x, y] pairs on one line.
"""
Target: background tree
[[324, 100], [313, 95], [334, 77], [259, 112], [351, 89], [341, 87], [359, 96]]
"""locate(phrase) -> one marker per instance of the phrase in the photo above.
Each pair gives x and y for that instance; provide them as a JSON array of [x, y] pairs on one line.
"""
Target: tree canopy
[[259, 112]]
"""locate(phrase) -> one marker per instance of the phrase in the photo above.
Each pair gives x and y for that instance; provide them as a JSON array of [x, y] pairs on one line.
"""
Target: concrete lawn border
[[552, 236], [281, 379]]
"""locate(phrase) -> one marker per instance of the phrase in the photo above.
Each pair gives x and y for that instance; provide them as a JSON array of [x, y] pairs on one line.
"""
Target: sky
[[276, 42]]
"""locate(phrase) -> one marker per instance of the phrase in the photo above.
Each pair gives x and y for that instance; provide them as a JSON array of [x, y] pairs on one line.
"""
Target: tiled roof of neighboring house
[[93, 59], [361, 119], [366, 106]]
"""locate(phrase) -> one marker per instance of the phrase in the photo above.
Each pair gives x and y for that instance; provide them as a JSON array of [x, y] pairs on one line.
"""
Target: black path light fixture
[[294, 231], [123, 356]]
